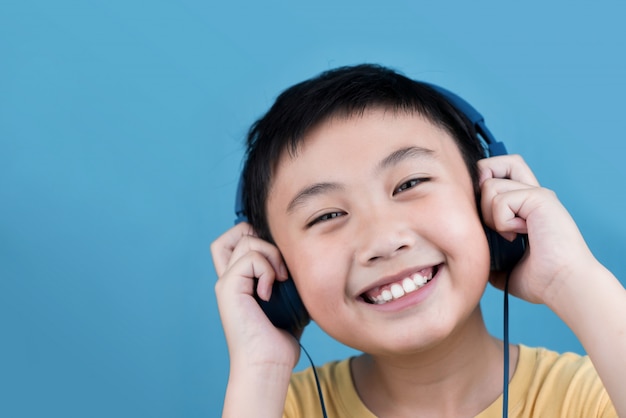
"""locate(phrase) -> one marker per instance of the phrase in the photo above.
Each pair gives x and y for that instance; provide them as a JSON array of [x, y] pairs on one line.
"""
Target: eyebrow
[[310, 191], [392, 159], [404, 154]]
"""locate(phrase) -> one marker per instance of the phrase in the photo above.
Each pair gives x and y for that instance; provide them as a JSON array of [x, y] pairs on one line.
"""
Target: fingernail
[[262, 293], [509, 236], [283, 271]]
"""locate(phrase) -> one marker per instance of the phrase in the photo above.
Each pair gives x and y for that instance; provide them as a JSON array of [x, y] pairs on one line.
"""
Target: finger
[[253, 244], [512, 210], [223, 246], [262, 270], [511, 167], [241, 276], [524, 202], [495, 211]]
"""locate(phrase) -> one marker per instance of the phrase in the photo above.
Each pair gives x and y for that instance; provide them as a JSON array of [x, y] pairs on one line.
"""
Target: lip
[[408, 300], [396, 277]]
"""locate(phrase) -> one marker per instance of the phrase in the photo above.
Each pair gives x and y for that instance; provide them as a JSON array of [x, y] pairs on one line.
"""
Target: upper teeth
[[399, 289]]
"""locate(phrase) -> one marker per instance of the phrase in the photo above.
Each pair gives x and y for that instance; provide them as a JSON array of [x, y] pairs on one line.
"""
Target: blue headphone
[[285, 308]]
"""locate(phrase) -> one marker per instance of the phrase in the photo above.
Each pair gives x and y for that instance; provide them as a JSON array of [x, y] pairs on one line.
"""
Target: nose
[[383, 236]]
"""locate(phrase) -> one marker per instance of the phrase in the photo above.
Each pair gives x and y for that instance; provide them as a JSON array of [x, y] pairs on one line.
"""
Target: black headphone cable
[[505, 338], [317, 381]]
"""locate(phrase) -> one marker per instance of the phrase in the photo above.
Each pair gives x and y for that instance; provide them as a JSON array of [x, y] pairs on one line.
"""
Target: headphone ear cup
[[285, 308], [505, 254]]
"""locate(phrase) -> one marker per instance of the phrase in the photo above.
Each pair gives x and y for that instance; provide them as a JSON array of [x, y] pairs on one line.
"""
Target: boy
[[374, 191]]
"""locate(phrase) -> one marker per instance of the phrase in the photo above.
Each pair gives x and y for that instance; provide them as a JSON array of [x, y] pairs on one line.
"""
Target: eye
[[324, 218], [409, 184]]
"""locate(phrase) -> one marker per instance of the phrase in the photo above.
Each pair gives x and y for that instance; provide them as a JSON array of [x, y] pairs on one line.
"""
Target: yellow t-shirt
[[545, 384]]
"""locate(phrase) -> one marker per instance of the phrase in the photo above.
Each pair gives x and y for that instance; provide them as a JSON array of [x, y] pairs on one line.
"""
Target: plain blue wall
[[121, 126]]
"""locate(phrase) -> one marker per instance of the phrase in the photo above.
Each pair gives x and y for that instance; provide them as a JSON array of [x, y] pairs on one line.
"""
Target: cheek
[[319, 273], [463, 236]]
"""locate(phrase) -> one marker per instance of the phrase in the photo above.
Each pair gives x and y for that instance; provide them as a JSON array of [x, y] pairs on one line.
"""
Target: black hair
[[341, 92]]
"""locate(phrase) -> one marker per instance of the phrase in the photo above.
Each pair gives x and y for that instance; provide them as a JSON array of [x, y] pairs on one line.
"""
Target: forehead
[[355, 134], [343, 144]]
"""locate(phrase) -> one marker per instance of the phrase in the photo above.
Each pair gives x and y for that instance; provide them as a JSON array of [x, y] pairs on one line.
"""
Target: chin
[[395, 340]]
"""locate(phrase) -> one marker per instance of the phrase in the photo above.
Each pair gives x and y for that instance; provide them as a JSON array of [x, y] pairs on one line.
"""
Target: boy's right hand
[[243, 261]]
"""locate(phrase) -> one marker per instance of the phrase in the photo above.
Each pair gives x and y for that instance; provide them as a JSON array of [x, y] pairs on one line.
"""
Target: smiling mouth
[[397, 290]]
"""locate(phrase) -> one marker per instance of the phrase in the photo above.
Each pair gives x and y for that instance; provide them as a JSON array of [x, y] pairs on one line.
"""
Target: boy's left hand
[[513, 202]]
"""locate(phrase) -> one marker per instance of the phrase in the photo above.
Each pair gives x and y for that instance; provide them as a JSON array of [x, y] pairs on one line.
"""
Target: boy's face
[[369, 205]]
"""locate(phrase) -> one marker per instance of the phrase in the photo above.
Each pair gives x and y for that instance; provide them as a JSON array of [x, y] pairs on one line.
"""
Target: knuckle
[[548, 194], [497, 200], [488, 190], [214, 247], [247, 243], [218, 287], [244, 228]]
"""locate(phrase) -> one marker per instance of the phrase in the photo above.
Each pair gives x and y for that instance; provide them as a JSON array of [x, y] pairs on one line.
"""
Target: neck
[[459, 377]]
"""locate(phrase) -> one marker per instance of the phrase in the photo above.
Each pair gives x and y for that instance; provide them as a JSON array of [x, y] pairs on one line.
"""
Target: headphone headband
[[493, 147], [240, 211]]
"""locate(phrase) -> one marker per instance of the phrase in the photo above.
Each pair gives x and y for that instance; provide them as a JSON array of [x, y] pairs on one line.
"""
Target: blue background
[[121, 131]]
